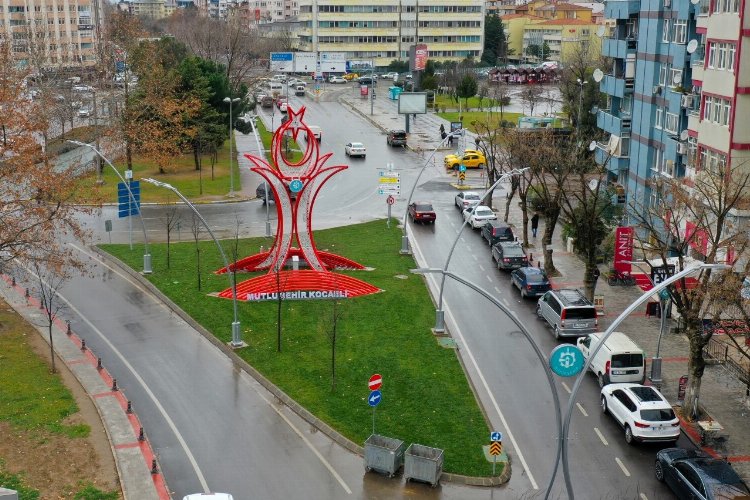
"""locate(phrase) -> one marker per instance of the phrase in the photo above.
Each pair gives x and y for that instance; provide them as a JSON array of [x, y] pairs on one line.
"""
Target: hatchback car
[[497, 231], [396, 138], [691, 474], [355, 149], [466, 199], [336, 79], [478, 215], [642, 411], [509, 255], [422, 211], [531, 281], [472, 159]]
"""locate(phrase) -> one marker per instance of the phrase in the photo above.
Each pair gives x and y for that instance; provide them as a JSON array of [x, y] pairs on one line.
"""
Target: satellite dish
[[592, 145], [600, 31], [677, 78], [598, 75], [691, 46], [684, 135]]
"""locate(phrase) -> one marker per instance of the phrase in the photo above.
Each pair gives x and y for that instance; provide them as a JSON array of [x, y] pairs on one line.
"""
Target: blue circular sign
[[566, 360], [374, 398], [295, 186]]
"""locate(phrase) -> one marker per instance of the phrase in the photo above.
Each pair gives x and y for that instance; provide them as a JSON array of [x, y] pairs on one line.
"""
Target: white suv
[[642, 411]]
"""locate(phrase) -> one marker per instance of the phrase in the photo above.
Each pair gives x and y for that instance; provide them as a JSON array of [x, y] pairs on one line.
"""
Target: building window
[[680, 31], [665, 31], [663, 71], [717, 110], [692, 158], [721, 55], [727, 6], [713, 162], [657, 161], [675, 77], [659, 118], [671, 122]]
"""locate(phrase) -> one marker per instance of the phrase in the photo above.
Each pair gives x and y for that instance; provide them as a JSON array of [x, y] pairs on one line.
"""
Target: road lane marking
[[582, 410], [489, 278], [481, 267], [474, 257], [643, 496], [498, 290], [601, 436], [505, 302], [465, 348], [565, 386], [622, 466]]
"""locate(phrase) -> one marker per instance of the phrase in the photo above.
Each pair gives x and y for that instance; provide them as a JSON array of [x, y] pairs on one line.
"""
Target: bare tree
[[532, 96], [195, 229], [171, 219]]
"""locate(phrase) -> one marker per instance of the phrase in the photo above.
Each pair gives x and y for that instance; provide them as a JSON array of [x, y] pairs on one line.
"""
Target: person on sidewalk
[[534, 224], [442, 131]]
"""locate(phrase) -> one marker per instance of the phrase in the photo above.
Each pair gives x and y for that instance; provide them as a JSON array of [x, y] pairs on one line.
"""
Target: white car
[[336, 79], [84, 112], [83, 88], [479, 215], [283, 107], [467, 199], [642, 411], [355, 149]]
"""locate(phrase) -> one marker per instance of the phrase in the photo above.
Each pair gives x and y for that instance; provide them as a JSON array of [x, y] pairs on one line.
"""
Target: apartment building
[[48, 34], [677, 92], [383, 30]]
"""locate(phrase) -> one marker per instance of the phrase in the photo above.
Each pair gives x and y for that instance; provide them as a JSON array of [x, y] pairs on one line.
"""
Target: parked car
[[470, 159], [496, 231], [619, 360], [478, 215], [396, 138], [466, 199], [84, 112], [509, 255], [568, 312], [350, 76], [355, 149], [336, 79], [691, 474], [422, 211], [367, 80], [642, 411], [531, 281]]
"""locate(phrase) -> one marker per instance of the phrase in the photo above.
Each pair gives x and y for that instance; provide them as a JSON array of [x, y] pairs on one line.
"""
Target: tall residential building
[[48, 34], [677, 92], [383, 30]]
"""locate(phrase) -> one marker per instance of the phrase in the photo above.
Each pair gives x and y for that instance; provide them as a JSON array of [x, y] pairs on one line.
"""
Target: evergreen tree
[[495, 41]]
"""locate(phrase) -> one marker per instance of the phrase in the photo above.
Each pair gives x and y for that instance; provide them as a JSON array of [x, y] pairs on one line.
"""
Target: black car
[[509, 255], [366, 80], [496, 231], [692, 474], [260, 193], [396, 138]]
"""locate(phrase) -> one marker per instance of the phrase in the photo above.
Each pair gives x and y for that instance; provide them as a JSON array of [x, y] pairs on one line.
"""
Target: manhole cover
[[447, 342]]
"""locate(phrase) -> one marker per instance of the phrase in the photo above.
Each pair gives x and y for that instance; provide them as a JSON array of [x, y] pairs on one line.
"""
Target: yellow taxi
[[350, 76], [470, 158]]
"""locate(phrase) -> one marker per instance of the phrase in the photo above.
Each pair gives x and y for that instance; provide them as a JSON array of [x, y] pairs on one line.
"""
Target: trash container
[[423, 463], [384, 454], [394, 92]]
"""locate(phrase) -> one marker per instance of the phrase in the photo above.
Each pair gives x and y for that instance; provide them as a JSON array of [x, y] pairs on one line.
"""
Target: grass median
[[426, 397]]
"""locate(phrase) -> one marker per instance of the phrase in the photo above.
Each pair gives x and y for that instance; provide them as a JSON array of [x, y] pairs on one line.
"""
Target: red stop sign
[[375, 382]]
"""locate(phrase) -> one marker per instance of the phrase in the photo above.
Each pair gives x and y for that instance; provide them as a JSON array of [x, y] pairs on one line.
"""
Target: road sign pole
[[373, 420], [130, 217], [388, 222], [494, 461]]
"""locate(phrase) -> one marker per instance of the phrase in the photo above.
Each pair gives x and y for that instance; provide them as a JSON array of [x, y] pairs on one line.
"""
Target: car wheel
[[629, 435], [481, 165], [523, 294], [604, 405], [538, 311], [602, 379], [557, 332], [346, 152], [659, 471]]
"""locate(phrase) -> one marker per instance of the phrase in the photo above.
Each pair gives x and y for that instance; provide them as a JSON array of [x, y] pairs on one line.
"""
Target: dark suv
[[496, 231], [509, 255], [396, 138]]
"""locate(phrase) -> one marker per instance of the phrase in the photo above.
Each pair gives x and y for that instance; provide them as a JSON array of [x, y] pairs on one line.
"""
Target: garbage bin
[[423, 463], [394, 92], [384, 454]]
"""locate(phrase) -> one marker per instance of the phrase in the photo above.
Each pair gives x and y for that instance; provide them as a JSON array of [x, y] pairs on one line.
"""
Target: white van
[[317, 133], [619, 359], [275, 87]]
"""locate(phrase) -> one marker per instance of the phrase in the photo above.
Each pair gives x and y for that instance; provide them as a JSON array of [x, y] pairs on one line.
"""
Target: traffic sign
[[128, 206], [375, 382], [388, 180], [390, 200], [496, 448], [566, 360], [496, 436], [295, 186], [462, 168], [389, 190], [375, 398], [462, 176], [384, 173]]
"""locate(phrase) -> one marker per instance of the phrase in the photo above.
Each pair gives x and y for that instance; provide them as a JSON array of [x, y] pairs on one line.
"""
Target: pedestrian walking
[[534, 224], [442, 131]]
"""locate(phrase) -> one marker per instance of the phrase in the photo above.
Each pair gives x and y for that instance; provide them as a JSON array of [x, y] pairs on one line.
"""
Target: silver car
[[568, 312]]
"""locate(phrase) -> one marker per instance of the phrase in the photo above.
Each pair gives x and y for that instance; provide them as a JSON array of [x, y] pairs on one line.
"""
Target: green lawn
[[473, 103], [426, 397], [493, 119]]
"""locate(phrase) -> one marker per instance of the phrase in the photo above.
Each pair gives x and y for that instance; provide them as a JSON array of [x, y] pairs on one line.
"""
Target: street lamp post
[[405, 239], [439, 313], [581, 83], [643, 298], [231, 174], [262, 152], [146, 255], [236, 335]]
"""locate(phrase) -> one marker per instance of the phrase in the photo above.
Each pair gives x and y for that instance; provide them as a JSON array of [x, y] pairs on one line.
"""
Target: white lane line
[[474, 257], [565, 386], [622, 466], [465, 348], [601, 436], [498, 290], [643, 496], [582, 410], [489, 278], [163, 411], [505, 301], [481, 267]]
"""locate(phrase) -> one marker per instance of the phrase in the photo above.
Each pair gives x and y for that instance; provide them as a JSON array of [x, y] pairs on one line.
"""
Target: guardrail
[[718, 352]]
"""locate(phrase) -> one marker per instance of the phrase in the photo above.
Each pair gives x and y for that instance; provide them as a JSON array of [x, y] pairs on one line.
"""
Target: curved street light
[[534, 346], [236, 342], [231, 173], [643, 298], [262, 153], [146, 255]]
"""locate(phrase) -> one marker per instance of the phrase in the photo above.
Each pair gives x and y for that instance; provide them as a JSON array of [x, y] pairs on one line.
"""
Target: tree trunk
[[51, 347], [168, 241], [509, 200], [696, 366], [129, 154], [589, 282], [550, 220], [524, 218], [198, 266], [196, 157]]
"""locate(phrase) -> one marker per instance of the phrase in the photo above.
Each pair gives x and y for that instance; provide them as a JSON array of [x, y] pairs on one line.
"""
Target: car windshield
[[534, 278], [630, 361], [471, 197], [658, 415], [357, 145], [483, 212], [513, 251], [423, 207]]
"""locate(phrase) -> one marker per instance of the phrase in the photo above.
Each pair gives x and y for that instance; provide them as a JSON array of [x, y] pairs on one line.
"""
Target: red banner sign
[[420, 57], [623, 249]]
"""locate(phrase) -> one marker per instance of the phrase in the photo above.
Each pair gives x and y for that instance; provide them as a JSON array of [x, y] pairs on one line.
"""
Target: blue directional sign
[[125, 205], [295, 186], [566, 360], [282, 56], [496, 436], [375, 398], [462, 168]]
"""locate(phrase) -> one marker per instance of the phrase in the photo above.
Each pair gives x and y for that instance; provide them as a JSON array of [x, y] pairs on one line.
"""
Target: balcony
[[612, 86], [612, 47], [613, 124], [614, 164], [621, 9]]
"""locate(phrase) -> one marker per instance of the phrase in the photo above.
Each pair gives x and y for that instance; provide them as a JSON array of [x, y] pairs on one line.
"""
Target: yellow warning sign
[[496, 448], [462, 176]]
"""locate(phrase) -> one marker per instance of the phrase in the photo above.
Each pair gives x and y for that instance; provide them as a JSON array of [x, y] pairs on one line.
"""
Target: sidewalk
[[722, 395]]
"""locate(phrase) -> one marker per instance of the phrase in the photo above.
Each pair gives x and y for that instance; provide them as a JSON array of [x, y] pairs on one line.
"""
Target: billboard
[[412, 102], [282, 61], [418, 57], [623, 249], [359, 66], [333, 62], [304, 62]]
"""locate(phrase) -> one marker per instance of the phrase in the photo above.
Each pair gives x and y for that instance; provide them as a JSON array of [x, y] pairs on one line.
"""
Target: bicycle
[[618, 278]]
